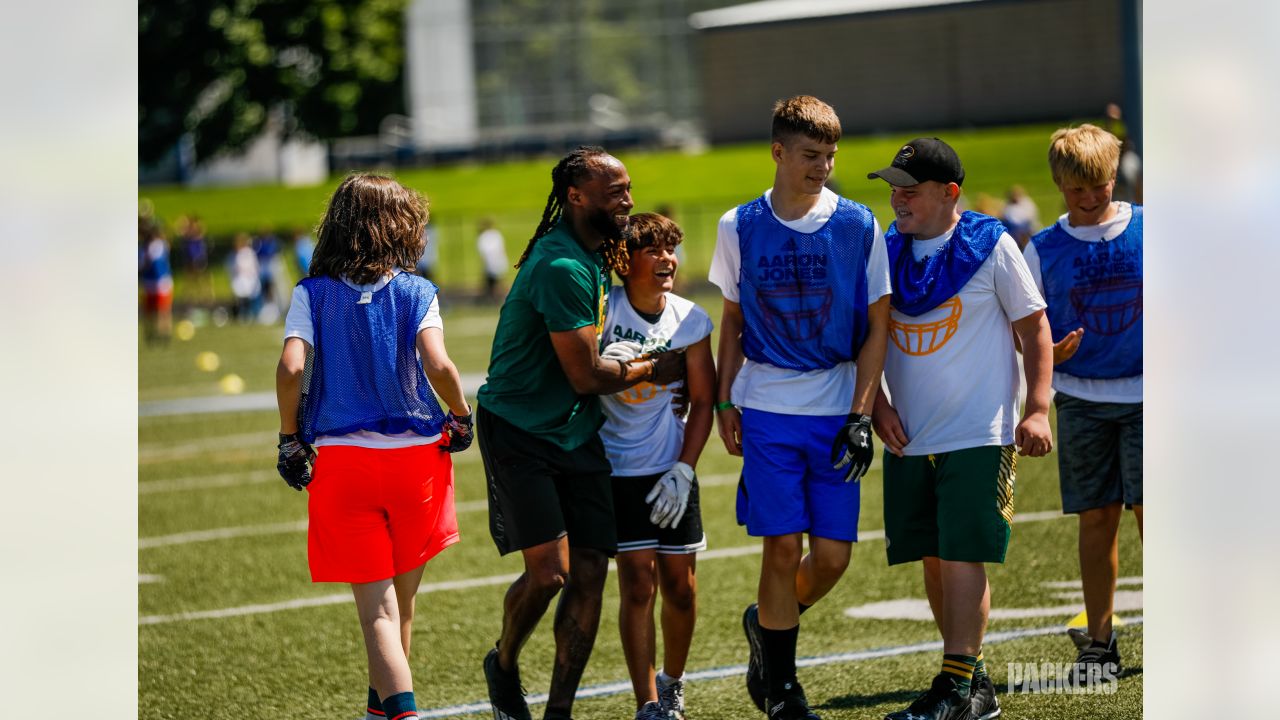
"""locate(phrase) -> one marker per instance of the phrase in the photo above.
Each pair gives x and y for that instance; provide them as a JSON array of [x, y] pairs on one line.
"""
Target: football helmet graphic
[[927, 338]]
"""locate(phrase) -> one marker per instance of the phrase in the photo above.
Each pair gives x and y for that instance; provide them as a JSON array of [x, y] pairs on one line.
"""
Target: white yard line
[[624, 686], [449, 585]]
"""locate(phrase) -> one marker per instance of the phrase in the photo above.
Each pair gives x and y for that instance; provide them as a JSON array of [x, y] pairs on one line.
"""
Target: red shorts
[[155, 301], [374, 514]]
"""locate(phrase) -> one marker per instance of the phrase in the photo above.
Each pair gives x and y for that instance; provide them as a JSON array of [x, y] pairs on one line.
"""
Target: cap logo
[[907, 152]]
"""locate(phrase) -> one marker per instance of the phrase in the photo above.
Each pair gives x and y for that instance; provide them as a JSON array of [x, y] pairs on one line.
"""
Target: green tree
[[218, 69]]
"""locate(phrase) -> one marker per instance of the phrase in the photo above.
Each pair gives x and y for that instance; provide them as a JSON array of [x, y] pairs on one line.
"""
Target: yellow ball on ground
[[231, 384], [184, 330], [208, 361]]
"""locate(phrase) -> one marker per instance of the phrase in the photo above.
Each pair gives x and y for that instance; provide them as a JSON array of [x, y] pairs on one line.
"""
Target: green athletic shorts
[[956, 505]]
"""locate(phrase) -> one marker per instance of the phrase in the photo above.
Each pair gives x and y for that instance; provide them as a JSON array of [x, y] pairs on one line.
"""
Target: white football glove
[[624, 350], [670, 496]]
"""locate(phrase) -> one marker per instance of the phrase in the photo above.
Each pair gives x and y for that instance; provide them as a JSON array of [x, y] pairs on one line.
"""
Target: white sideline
[[468, 583], [615, 688]]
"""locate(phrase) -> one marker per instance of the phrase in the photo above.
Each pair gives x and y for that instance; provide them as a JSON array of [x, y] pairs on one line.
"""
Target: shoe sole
[[755, 659], [499, 713]]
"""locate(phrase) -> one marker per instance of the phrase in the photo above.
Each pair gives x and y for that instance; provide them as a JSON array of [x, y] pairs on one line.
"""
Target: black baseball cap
[[921, 160]]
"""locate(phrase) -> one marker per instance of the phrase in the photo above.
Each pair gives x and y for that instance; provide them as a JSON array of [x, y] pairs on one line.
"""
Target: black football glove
[[853, 446], [294, 460], [461, 431]]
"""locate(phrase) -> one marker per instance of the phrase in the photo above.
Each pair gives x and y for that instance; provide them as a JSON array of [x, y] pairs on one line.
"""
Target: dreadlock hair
[[646, 230], [373, 225], [571, 170]]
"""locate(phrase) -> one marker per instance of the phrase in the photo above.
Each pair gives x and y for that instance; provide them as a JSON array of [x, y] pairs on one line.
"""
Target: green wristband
[[726, 405]]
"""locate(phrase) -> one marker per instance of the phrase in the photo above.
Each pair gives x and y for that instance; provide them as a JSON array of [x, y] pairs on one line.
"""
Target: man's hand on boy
[[670, 496], [294, 460], [624, 350], [461, 431], [853, 446], [668, 367], [1067, 346]]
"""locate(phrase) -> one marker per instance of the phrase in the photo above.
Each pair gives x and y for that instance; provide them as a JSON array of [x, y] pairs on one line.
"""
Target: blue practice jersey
[[366, 374], [1097, 286], [804, 295]]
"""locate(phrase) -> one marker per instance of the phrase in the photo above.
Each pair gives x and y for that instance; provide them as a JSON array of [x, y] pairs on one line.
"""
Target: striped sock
[[960, 669], [980, 670], [373, 710], [400, 706]]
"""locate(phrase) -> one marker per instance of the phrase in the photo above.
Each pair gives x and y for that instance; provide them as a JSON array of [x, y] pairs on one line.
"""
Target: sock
[[1100, 644], [663, 678], [374, 707], [400, 706], [779, 658], [980, 670], [802, 607], [959, 668]]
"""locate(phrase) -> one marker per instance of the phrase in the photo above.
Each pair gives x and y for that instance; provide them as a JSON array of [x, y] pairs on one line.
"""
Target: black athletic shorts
[[539, 492], [635, 532]]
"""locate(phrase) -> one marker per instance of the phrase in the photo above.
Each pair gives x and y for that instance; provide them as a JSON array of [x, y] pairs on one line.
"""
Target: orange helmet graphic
[[928, 337], [1109, 307]]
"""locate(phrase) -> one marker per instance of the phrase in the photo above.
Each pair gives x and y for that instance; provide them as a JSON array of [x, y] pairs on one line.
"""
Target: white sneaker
[[671, 695]]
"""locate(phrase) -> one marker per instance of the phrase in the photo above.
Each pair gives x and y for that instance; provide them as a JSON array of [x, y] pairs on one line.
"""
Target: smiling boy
[[1089, 267], [805, 280], [959, 284], [653, 453]]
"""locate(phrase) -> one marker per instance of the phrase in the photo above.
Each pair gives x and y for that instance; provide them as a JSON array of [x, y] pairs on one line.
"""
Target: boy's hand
[[1033, 436], [624, 350], [889, 426], [461, 431], [1067, 346], [729, 423], [853, 446], [294, 460], [670, 496]]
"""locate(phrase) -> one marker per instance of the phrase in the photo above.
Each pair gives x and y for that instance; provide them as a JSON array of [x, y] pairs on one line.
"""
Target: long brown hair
[[373, 225]]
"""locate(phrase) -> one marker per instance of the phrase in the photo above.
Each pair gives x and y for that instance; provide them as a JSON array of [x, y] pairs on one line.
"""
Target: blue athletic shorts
[[787, 483]]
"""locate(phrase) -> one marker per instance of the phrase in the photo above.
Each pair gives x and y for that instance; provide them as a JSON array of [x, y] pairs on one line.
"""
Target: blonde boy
[[1088, 265]]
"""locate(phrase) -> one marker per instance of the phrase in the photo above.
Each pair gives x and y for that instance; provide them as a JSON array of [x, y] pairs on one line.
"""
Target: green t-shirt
[[561, 286]]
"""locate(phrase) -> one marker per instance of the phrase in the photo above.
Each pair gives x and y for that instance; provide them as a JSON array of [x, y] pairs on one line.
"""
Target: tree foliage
[[219, 69]]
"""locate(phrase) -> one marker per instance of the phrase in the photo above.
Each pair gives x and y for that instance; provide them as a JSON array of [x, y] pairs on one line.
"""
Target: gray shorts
[[1099, 453]]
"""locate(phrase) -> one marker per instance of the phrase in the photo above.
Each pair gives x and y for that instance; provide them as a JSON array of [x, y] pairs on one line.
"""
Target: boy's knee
[[831, 564], [638, 591], [678, 593]]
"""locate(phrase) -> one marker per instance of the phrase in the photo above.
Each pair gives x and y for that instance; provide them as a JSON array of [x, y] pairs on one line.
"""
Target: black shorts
[[539, 492], [635, 532]]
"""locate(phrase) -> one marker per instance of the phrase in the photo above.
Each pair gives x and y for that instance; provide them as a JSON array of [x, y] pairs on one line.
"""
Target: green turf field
[[231, 626], [699, 188]]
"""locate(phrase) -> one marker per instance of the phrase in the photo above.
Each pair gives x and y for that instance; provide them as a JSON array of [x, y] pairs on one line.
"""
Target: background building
[[892, 65]]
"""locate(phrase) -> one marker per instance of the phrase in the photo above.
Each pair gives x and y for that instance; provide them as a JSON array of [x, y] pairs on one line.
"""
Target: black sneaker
[[985, 706], [1097, 664], [506, 697], [942, 701], [793, 705], [757, 683]]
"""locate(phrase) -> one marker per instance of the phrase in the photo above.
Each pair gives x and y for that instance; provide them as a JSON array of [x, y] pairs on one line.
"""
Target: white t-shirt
[[493, 251], [641, 434], [762, 386], [952, 373], [297, 323], [1116, 390]]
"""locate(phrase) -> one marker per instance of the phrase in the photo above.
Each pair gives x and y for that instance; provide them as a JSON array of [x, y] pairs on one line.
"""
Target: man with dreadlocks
[[548, 476]]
